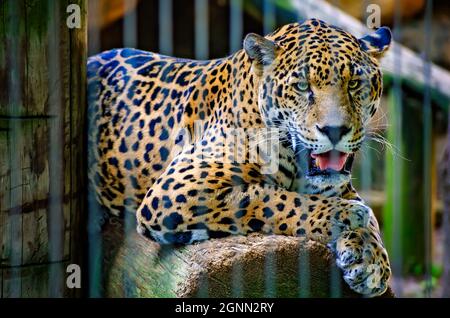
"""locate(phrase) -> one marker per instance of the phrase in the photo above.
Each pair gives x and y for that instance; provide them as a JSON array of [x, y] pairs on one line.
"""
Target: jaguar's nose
[[334, 133]]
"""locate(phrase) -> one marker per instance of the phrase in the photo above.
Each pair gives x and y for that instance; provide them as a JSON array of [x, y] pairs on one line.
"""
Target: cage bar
[[130, 38], [427, 151], [56, 216], [236, 25], [201, 25], [269, 16], [166, 27]]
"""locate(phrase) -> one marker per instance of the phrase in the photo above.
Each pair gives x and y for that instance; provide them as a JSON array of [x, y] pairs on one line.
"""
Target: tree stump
[[253, 266]]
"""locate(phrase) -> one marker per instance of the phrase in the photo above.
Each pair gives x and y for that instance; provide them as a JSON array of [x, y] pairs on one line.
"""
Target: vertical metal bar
[[446, 215], [367, 153], [129, 40], [336, 287], [304, 273], [166, 27], [94, 216], [427, 140], [201, 30], [14, 142], [366, 167], [203, 289], [364, 12], [397, 208], [130, 24], [56, 173], [94, 43], [270, 270], [304, 279], [269, 16], [335, 273], [236, 282], [236, 25], [94, 246], [235, 41]]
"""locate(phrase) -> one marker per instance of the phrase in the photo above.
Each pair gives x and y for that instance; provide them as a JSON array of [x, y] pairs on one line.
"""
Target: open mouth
[[328, 163]]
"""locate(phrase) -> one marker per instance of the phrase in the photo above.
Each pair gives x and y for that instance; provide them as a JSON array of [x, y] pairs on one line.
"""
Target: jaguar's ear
[[260, 50], [376, 43]]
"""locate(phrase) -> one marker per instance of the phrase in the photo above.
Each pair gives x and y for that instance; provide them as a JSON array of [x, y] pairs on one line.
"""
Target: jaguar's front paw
[[326, 223], [364, 262]]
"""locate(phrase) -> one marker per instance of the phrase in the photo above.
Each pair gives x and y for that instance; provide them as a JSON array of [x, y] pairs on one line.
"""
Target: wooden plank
[[35, 192], [35, 226], [399, 60], [12, 282], [4, 197], [14, 215], [42, 155], [4, 192], [25, 217], [12, 55], [37, 86], [12, 72], [34, 280]]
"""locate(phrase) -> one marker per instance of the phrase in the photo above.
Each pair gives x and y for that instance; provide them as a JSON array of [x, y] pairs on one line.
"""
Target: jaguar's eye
[[302, 86], [352, 84]]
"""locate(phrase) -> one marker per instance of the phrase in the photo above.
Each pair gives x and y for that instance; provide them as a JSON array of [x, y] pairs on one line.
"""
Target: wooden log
[[253, 266]]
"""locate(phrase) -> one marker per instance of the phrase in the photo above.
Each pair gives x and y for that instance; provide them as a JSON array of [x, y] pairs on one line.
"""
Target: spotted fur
[[165, 142]]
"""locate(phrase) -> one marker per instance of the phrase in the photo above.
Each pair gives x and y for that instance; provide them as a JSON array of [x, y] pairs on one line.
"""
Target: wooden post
[[42, 111]]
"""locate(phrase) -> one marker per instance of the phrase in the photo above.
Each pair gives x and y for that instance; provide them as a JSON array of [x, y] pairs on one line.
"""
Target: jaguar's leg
[[186, 207], [193, 202], [363, 259]]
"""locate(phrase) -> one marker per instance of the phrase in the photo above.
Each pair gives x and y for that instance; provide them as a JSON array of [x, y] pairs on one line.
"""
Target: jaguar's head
[[320, 86]]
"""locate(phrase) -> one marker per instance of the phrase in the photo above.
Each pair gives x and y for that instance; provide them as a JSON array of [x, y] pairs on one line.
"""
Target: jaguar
[[259, 141]]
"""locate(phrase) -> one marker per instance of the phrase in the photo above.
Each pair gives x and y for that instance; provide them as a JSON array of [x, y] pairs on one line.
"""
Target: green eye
[[352, 84], [303, 86]]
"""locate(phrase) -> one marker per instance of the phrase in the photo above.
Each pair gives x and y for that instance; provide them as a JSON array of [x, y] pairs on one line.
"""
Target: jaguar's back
[[142, 110]]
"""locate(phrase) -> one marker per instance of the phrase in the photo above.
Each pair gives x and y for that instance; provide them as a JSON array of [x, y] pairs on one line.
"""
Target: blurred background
[[401, 172]]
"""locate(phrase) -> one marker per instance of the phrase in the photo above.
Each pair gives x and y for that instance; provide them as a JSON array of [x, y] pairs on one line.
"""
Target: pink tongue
[[332, 159]]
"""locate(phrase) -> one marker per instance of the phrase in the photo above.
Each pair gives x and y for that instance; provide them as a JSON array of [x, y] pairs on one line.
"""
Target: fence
[[41, 143], [416, 90], [401, 66]]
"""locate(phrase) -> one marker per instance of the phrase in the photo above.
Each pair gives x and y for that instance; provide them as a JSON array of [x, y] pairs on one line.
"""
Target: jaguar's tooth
[[314, 162]]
